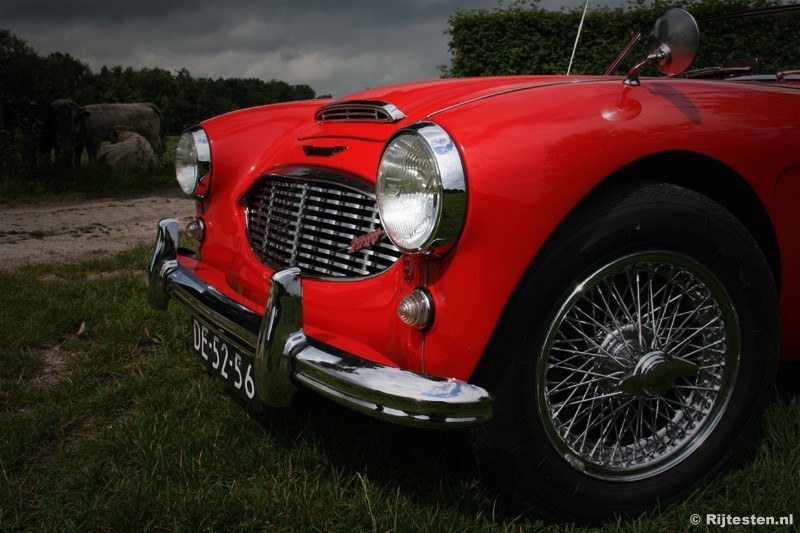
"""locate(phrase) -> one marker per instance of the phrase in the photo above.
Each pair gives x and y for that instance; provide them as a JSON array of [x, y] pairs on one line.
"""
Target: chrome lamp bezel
[[198, 183], [452, 205]]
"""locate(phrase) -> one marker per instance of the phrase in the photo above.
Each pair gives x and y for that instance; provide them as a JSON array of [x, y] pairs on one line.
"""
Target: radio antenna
[[580, 27]]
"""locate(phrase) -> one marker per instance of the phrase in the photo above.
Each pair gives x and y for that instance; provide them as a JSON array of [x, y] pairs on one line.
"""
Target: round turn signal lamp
[[196, 229], [416, 308]]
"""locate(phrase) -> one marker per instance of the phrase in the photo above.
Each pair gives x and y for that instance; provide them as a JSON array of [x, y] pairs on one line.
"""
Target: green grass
[[28, 182], [108, 422]]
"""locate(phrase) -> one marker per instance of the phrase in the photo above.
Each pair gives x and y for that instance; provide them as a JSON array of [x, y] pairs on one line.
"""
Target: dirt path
[[73, 231]]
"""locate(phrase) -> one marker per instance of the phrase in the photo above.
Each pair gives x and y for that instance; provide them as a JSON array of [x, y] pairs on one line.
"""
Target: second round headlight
[[421, 189]]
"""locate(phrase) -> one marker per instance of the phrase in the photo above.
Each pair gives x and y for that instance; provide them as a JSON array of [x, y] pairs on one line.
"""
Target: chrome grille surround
[[359, 111], [308, 218]]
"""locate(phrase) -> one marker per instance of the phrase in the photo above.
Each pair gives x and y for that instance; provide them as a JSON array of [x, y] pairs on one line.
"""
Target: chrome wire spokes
[[638, 365]]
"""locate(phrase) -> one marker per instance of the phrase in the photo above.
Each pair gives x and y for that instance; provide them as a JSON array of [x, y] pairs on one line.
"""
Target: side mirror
[[671, 46]]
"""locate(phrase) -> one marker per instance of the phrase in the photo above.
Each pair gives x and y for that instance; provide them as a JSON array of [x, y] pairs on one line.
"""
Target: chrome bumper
[[284, 357]]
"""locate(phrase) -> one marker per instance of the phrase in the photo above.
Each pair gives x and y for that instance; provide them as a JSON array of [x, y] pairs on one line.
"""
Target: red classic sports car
[[597, 274]]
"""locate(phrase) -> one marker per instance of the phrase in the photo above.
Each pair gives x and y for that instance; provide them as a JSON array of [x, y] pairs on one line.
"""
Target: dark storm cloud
[[333, 46]]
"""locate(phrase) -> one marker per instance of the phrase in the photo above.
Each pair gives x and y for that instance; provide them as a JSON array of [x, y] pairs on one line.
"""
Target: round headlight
[[192, 161], [421, 190]]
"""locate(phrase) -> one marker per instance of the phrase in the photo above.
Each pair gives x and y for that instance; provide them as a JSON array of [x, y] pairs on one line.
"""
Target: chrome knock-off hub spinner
[[655, 374]]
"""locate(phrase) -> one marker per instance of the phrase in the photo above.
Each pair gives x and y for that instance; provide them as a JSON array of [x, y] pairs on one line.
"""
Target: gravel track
[[67, 231]]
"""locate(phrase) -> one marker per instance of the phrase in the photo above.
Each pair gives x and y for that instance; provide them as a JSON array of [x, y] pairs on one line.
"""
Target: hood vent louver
[[359, 111]]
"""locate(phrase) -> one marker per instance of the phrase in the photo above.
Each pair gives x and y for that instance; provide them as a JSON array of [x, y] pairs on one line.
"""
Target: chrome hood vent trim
[[359, 111]]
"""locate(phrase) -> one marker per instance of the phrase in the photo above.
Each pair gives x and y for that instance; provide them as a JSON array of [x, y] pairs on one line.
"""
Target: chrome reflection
[[671, 46], [453, 209], [163, 260], [285, 357], [389, 393]]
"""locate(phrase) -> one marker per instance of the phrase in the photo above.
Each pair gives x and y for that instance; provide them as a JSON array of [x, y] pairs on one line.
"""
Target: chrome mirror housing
[[671, 46]]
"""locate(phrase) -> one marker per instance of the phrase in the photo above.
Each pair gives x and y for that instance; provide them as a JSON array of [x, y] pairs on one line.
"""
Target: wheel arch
[[715, 180], [690, 170]]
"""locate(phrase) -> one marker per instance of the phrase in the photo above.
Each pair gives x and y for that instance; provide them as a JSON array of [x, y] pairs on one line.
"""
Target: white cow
[[98, 120], [128, 152]]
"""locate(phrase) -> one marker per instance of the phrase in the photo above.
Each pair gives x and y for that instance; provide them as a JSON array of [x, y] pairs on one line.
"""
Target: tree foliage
[[525, 39], [26, 76]]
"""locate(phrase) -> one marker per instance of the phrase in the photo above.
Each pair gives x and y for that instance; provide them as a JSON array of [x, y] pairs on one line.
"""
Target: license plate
[[225, 360]]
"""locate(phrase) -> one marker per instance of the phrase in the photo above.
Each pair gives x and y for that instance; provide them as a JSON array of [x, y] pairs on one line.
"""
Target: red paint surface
[[531, 152]]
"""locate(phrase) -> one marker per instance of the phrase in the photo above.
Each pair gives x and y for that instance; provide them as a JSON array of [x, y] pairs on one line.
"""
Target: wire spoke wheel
[[638, 366], [635, 359]]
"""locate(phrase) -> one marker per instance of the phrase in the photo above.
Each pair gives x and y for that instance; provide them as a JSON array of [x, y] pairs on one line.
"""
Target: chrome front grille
[[311, 224]]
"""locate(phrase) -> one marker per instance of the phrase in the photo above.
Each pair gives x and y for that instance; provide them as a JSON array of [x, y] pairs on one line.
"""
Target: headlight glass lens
[[421, 190], [409, 192], [192, 160]]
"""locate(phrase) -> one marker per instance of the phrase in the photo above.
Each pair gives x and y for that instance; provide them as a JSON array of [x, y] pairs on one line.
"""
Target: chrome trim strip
[[285, 357], [322, 175]]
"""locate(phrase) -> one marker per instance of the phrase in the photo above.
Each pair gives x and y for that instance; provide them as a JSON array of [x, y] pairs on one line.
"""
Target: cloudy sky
[[335, 46]]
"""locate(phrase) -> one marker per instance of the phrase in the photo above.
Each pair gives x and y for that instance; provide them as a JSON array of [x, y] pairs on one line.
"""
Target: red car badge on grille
[[364, 241]]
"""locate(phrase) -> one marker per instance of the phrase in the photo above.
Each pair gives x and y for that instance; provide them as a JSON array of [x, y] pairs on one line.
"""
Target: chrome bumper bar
[[284, 357]]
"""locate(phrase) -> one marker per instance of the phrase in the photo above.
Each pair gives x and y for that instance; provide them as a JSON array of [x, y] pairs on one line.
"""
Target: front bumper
[[285, 358]]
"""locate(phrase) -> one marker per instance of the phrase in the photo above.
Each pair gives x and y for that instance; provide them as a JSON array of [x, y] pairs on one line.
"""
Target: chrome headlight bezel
[[193, 162], [445, 189]]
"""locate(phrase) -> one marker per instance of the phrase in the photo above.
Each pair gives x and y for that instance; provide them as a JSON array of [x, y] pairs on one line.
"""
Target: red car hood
[[418, 100]]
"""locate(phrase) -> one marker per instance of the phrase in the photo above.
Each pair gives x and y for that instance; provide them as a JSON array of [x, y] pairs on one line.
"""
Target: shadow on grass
[[787, 382], [431, 467], [438, 469]]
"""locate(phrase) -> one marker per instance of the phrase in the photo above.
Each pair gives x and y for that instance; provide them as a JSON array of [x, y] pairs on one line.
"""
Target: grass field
[[107, 422], [44, 180]]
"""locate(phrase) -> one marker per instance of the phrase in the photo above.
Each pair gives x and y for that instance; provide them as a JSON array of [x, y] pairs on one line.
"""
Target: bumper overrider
[[285, 358]]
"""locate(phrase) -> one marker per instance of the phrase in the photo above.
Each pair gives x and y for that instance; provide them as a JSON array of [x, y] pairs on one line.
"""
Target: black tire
[[604, 406]]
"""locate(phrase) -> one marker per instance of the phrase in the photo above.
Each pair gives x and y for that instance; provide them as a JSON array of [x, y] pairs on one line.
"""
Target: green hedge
[[523, 39]]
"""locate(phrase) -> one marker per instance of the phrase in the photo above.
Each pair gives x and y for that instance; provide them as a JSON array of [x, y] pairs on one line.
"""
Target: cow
[[65, 131], [128, 151], [98, 120]]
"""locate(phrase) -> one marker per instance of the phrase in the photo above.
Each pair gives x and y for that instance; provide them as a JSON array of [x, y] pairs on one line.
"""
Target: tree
[[19, 64], [60, 74]]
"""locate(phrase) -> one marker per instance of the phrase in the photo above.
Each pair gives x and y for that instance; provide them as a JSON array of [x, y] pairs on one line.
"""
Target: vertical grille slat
[[310, 224]]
